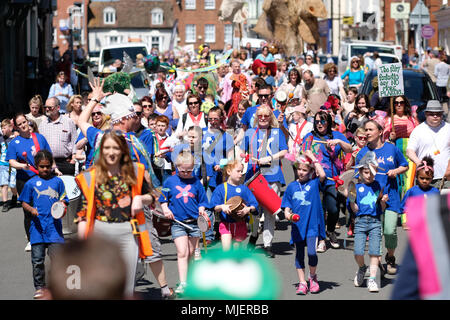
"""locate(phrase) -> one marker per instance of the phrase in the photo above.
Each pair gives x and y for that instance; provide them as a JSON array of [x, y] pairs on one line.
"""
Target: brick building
[[69, 24], [394, 27], [119, 21], [198, 23]]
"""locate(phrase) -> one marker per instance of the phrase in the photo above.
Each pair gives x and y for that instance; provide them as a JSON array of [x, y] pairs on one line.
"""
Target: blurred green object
[[117, 82], [232, 275]]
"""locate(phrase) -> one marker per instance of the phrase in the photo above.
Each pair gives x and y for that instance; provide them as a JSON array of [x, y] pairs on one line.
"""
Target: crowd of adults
[[257, 107]]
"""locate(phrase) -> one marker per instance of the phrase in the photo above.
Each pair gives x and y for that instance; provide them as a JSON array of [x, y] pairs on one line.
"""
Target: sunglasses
[[202, 88], [362, 138], [164, 98], [98, 113], [401, 103], [264, 96], [49, 107], [192, 103], [147, 106], [263, 116], [322, 122], [434, 114]]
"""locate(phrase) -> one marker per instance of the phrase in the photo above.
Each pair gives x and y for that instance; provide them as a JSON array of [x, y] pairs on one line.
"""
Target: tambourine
[[347, 176], [351, 191], [158, 161], [204, 223], [58, 210], [236, 204]]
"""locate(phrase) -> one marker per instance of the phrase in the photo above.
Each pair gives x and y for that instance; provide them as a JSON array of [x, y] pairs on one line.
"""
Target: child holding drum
[[302, 197], [184, 198], [38, 196], [233, 195]]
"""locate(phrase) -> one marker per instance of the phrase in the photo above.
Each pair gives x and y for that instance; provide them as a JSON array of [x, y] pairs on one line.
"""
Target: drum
[[204, 223], [75, 202], [58, 210], [160, 223], [264, 194], [236, 204]]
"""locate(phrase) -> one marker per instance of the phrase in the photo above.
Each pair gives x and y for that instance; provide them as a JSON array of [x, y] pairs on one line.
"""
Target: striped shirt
[[61, 135], [403, 126]]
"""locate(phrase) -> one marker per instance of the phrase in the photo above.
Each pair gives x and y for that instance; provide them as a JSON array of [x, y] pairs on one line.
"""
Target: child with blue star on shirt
[[368, 202]]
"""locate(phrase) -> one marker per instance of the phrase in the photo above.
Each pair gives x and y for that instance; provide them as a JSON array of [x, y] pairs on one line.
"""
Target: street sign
[[348, 20], [428, 31], [420, 14], [390, 80], [400, 10]]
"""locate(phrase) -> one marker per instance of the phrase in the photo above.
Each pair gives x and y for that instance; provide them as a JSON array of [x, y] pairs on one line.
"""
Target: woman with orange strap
[[114, 193]]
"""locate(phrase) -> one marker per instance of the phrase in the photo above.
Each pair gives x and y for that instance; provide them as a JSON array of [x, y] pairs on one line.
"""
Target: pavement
[[336, 268]]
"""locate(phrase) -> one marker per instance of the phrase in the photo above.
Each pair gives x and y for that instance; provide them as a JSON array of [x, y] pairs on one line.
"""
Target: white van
[[350, 48], [110, 53]]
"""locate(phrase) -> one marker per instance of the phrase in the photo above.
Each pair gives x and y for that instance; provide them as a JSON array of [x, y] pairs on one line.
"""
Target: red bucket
[[264, 194]]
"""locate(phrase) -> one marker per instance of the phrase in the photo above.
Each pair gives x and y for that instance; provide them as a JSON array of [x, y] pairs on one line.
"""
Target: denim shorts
[[179, 231], [367, 226], [7, 176]]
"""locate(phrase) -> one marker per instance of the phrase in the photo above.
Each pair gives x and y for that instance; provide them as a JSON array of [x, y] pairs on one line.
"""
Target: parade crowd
[[209, 146]]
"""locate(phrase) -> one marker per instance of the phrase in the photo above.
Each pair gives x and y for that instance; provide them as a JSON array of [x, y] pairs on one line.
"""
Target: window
[[109, 15], [228, 34], [157, 16], [114, 39], [210, 4], [190, 4], [210, 33], [190, 33], [155, 42]]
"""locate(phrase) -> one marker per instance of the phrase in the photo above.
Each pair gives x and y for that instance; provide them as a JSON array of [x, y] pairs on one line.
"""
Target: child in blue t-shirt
[[230, 228], [7, 173], [302, 197], [184, 198], [368, 202], [424, 176], [38, 196]]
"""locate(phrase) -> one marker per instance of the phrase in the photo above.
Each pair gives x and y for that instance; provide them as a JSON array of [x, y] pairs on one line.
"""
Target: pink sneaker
[[313, 284], [302, 289]]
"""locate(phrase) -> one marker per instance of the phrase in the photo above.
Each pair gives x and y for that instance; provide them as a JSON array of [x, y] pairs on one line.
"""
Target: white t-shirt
[[315, 69], [334, 85], [434, 142], [180, 107]]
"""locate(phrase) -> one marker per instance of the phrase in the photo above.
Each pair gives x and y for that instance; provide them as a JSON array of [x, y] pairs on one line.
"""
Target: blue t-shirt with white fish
[[42, 194], [366, 199], [303, 198]]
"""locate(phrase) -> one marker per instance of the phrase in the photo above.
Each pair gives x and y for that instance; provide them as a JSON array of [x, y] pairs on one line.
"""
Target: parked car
[[109, 54], [419, 88]]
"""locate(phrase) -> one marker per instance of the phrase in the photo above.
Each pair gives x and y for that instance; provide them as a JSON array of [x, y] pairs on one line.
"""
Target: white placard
[[390, 80]]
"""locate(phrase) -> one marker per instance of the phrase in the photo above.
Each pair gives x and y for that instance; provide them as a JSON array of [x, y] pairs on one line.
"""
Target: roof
[[131, 14]]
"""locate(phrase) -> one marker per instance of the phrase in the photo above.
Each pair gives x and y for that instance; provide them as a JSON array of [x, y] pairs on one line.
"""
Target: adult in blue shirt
[[20, 155], [391, 164], [355, 73], [328, 146], [265, 146]]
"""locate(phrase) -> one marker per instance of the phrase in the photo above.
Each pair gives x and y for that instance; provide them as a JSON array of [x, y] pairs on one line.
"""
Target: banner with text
[[390, 80]]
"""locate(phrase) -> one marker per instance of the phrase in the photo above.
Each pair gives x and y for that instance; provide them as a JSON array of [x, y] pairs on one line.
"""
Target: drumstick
[[177, 221], [204, 242], [24, 155]]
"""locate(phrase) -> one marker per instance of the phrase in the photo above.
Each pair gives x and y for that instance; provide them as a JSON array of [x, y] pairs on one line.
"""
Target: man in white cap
[[121, 110], [431, 138]]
